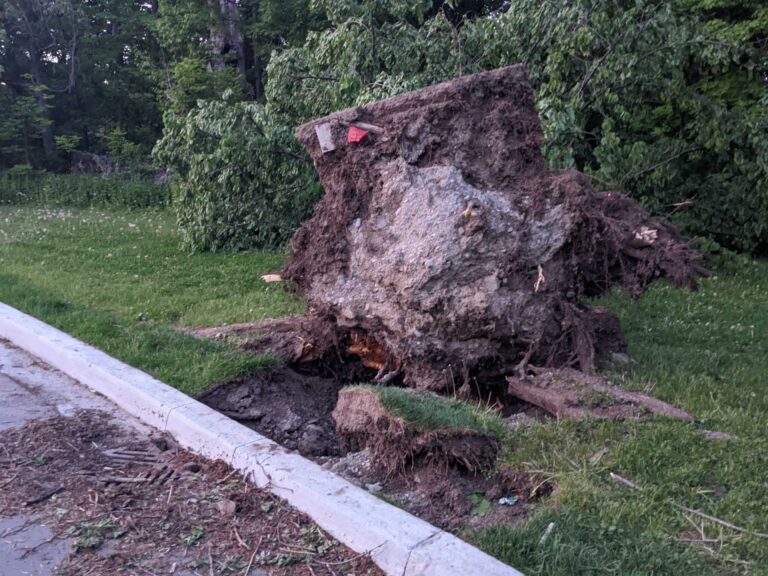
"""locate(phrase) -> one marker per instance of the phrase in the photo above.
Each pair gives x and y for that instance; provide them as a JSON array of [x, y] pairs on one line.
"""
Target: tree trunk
[[45, 113], [227, 39]]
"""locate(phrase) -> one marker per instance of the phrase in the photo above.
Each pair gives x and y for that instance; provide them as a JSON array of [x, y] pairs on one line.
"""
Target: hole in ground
[[292, 405]]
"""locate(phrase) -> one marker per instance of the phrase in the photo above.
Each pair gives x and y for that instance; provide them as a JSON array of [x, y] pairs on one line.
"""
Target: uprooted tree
[[445, 251]]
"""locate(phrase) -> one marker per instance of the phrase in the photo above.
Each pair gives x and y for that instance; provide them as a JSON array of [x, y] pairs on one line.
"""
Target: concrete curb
[[399, 543]]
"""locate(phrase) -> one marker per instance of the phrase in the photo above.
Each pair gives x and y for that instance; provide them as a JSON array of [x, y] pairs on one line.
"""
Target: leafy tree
[[241, 181], [663, 100], [83, 63]]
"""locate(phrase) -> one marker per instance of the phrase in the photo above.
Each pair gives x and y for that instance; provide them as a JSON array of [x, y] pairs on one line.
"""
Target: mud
[[447, 245]]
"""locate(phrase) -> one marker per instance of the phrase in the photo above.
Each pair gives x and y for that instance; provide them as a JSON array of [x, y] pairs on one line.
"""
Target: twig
[[44, 497], [539, 280], [719, 521], [547, 533], [210, 562], [698, 540], [693, 511], [250, 562], [624, 481], [36, 546], [239, 540], [11, 479], [227, 477]]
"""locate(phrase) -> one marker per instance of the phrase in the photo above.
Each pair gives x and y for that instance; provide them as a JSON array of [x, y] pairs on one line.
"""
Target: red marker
[[356, 135]]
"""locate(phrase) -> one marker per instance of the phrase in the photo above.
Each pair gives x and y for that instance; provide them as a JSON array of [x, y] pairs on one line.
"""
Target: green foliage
[[666, 101], [23, 186], [241, 180], [122, 150], [67, 143], [22, 125], [192, 81]]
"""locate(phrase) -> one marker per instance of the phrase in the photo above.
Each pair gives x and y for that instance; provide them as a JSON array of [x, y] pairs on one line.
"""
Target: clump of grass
[[432, 412]]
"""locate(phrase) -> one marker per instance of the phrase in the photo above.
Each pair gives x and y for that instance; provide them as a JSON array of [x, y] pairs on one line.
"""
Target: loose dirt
[[446, 477], [292, 409], [129, 505]]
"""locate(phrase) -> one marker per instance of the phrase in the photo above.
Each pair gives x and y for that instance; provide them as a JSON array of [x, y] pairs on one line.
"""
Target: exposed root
[[572, 394]]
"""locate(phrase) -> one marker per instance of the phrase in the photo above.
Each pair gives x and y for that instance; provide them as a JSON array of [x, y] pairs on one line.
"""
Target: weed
[[91, 535], [194, 536]]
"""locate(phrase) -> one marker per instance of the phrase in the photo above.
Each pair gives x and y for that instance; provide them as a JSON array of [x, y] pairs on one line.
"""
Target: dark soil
[[135, 506], [448, 497], [292, 409], [447, 245], [437, 476]]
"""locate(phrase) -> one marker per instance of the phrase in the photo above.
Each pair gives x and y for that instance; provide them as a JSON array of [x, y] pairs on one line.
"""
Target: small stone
[[374, 488], [620, 359], [519, 420], [312, 441], [290, 423], [715, 435], [161, 443], [226, 507]]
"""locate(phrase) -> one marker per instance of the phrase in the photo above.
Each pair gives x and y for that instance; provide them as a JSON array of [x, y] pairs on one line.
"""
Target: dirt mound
[[444, 241], [363, 422]]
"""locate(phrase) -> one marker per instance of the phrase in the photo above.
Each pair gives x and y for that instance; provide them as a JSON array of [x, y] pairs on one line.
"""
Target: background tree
[[666, 101]]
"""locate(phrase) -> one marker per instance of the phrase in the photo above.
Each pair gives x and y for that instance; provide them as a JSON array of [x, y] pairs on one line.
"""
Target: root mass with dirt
[[446, 252]]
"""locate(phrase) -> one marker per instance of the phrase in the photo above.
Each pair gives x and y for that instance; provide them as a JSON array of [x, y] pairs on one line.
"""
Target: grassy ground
[[708, 353], [120, 282]]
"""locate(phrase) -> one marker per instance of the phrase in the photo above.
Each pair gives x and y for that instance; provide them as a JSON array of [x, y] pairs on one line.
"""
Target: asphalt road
[[30, 390]]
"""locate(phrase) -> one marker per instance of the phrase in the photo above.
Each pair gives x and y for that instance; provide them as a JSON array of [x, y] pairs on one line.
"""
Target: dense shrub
[[240, 180]]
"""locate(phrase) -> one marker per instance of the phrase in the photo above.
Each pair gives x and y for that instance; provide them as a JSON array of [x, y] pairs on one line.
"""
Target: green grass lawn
[[707, 352], [119, 281]]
